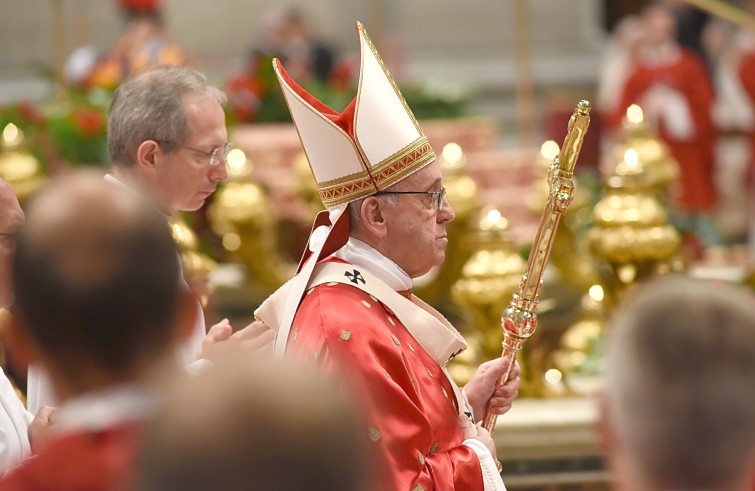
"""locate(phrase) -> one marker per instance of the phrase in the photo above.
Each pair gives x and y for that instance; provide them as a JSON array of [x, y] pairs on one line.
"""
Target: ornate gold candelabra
[[17, 166], [197, 267], [520, 318], [241, 214], [638, 172], [631, 236], [660, 169], [490, 276]]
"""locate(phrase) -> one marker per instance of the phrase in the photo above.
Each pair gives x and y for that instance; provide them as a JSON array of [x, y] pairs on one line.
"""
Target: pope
[[350, 309]]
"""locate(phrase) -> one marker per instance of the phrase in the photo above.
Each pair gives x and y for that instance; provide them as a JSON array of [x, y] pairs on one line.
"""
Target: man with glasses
[[350, 309], [168, 142]]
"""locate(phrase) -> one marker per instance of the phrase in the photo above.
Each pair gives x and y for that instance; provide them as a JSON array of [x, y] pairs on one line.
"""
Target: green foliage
[[257, 97], [71, 126], [433, 101]]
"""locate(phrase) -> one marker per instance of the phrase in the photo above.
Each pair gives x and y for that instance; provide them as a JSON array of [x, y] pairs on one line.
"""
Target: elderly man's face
[[11, 221], [417, 238], [185, 178]]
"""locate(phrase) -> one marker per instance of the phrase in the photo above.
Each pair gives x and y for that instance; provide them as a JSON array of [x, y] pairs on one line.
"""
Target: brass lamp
[[631, 236], [241, 214], [630, 239], [197, 267], [488, 279], [659, 168], [17, 166]]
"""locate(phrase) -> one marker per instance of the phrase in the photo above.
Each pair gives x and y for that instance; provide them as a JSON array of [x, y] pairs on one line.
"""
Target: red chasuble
[[408, 403], [684, 74], [80, 461]]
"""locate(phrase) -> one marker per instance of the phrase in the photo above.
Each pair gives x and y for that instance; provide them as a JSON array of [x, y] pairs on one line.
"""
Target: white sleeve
[[14, 427], [191, 349], [198, 366], [39, 391], [491, 478], [677, 116]]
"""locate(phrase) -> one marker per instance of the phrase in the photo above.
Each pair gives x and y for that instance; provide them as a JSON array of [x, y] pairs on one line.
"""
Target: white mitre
[[374, 143]]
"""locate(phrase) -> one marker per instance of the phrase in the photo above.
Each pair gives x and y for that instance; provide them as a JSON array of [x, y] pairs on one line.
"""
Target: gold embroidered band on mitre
[[383, 175]]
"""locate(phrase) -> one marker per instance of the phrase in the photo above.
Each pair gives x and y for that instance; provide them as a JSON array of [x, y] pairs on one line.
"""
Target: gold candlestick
[[489, 277], [17, 165]]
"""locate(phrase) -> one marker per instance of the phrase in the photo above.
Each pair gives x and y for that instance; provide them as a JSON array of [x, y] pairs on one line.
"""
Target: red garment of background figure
[[673, 88], [406, 399], [80, 461], [747, 77], [671, 85]]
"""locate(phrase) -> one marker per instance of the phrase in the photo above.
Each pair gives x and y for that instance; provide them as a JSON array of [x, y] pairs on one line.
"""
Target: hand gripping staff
[[519, 320]]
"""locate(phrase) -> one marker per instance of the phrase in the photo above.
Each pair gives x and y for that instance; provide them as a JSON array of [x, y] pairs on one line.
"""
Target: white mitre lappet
[[374, 143]]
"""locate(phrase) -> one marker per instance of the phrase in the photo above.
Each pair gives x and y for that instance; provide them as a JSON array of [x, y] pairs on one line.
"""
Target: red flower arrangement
[[255, 96], [72, 128]]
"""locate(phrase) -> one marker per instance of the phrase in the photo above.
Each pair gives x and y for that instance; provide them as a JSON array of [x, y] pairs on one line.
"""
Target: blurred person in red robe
[[746, 73], [359, 321], [100, 306], [673, 88]]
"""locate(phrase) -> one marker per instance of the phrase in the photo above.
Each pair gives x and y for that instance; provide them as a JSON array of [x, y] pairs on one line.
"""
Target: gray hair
[[355, 217], [150, 106], [355, 207], [680, 383]]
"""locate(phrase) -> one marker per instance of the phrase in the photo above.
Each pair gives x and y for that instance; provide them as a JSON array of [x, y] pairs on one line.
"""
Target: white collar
[[105, 408], [117, 182], [360, 254], [664, 54], [122, 185]]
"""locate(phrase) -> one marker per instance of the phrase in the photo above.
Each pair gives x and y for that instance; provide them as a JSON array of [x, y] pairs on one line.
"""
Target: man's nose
[[446, 213], [219, 172]]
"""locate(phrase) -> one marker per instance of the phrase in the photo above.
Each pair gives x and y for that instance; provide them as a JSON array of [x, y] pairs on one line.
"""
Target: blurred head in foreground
[[678, 410], [249, 426], [96, 278]]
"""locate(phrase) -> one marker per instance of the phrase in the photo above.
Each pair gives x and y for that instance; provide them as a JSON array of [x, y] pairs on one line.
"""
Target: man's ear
[[372, 213], [148, 153], [186, 317], [22, 350]]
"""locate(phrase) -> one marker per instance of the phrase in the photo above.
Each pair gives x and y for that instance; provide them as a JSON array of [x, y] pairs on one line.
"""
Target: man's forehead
[[424, 178]]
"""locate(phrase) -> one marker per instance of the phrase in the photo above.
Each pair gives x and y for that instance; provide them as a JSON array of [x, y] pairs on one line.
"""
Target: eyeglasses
[[441, 194], [214, 156]]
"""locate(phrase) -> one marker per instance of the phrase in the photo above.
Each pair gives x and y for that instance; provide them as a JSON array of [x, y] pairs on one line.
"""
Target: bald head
[[96, 277], [11, 221], [247, 424], [680, 385]]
